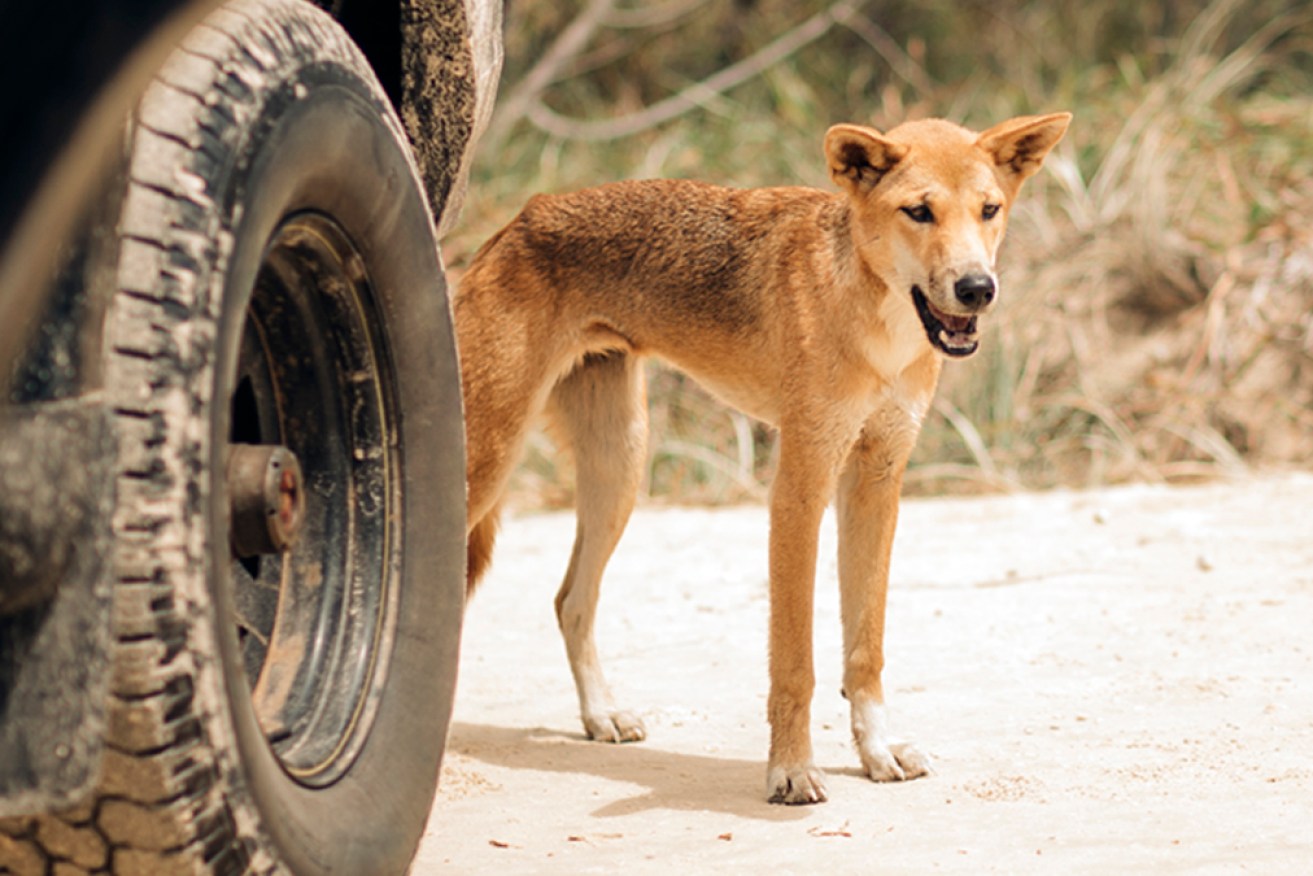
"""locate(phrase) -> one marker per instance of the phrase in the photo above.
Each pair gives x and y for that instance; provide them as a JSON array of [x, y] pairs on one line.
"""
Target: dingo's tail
[[479, 549]]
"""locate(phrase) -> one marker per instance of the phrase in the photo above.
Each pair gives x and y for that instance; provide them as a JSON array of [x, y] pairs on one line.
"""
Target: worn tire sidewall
[[324, 143]]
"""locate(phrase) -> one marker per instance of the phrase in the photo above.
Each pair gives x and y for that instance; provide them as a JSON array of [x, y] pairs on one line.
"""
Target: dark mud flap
[[56, 499]]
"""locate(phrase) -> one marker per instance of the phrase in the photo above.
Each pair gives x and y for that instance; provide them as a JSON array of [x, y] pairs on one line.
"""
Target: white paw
[[894, 763], [884, 760], [615, 727], [795, 784]]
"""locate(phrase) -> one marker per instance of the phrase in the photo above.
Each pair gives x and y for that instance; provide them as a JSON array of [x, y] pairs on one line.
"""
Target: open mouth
[[954, 335]]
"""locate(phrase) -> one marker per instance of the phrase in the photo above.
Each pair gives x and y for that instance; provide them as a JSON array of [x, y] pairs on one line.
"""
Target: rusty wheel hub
[[266, 497]]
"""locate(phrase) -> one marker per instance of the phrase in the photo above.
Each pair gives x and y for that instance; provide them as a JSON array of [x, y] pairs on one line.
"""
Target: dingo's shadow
[[672, 780]]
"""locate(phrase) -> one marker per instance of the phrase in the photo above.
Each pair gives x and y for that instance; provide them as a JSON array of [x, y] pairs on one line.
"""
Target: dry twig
[[698, 93]]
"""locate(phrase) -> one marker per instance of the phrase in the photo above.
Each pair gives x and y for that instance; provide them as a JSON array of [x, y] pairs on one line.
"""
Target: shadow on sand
[[668, 779]]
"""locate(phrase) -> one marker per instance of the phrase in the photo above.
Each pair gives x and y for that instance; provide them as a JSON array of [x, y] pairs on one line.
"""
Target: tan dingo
[[826, 315]]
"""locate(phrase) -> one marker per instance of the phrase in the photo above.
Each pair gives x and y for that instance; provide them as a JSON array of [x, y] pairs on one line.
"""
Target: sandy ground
[[1109, 681]]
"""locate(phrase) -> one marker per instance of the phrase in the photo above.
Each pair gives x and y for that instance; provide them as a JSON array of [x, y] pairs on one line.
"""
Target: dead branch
[[562, 51], [697, 94], [640, 17]]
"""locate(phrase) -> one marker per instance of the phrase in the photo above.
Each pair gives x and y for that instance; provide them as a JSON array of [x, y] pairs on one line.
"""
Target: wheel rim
[[314, 618]]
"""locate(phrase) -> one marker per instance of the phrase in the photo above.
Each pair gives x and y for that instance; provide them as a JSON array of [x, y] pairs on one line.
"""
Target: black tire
[[279, 284]]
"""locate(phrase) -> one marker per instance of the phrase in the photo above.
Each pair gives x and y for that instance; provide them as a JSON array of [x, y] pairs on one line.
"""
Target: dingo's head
[[930, 204]]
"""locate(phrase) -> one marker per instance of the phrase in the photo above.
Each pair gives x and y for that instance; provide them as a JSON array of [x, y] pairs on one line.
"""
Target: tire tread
[[165, 802]]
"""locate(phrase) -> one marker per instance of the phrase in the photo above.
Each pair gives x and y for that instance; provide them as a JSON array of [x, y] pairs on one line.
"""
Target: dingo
[[826, 315]]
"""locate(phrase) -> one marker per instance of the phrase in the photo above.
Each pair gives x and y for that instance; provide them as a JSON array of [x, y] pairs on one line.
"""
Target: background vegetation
[[1157, 313]]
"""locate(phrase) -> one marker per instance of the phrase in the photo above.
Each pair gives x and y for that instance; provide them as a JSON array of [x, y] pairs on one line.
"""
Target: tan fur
[[796, 306]]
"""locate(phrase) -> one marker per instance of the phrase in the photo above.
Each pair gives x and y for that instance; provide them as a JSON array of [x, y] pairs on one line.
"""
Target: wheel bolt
[[266, 498]]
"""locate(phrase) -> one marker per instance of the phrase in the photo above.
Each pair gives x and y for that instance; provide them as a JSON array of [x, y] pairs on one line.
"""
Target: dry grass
[[1157, 320]]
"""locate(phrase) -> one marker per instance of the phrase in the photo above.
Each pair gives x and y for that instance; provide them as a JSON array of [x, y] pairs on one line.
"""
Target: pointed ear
[[1019, 145], [859, 157]]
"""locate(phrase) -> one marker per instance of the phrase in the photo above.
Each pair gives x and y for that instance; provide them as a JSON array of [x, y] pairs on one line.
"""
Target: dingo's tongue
[[954, 324]]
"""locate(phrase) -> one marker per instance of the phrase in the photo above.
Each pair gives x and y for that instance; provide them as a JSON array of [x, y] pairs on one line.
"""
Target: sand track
[[1108, 681]]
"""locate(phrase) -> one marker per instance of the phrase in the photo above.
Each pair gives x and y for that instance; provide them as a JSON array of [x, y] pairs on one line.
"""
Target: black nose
[[974, 290]]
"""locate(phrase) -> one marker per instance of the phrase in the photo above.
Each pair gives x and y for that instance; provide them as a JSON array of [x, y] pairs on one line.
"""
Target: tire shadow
[[672, 780]]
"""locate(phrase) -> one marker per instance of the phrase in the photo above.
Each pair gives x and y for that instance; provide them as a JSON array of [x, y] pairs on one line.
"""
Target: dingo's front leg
[[867, 505], [798, 499]]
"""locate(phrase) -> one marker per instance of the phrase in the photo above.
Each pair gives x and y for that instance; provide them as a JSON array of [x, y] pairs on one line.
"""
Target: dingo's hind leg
[[600, 411]]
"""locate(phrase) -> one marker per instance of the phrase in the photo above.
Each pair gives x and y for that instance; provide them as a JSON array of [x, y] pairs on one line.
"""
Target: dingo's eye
[[989, 211], [920, 213]]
